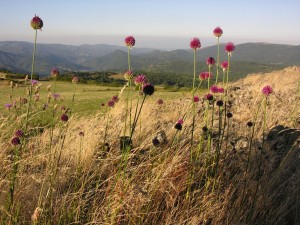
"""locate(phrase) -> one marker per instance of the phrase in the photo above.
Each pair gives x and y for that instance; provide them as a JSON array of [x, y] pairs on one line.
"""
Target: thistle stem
[[218, 60], [31, 76]]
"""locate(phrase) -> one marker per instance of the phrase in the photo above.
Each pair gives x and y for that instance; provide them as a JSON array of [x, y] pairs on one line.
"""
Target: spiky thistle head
[[195, 43], [36, 23], [129, 41], [218, 32]]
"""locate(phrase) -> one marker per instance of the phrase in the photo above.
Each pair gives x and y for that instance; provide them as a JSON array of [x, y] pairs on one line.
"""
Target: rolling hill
[[17, 57]]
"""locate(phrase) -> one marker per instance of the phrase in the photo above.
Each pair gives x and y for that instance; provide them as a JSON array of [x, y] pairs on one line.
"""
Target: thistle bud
[[36, 23]]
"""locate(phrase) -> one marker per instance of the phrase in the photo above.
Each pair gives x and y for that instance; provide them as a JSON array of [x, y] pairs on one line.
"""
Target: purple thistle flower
[[140, 80], [15, 141], [221, 90], [224, 65], [148, 89], [8, 106], [180, 121], [178, 125], [205, 75], [36, 23], [160, 101], [218, 32], [115, 99], [210, 61], [214, 89], [196, 98], [229, 47], [209, 97], [56, 96], [64, 117], [195, 43], [110, 103], [129, 41], [267, 90], [19, 133], [54, 72], [34, 82]]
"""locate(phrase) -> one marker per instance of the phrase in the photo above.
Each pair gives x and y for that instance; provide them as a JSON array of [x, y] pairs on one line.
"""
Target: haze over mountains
[[17, 57]]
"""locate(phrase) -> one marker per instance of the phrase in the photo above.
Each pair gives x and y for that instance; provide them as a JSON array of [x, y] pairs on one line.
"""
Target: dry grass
[[152, 189]]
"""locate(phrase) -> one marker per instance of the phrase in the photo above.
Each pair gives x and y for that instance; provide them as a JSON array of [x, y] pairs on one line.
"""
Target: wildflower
[[210, 61], [129, 41], [196, 98], [36, 23], [214, 89], [64, 117], [19, 133], [111, 103], [115, 99], [160, 101], [220, 90], [8, 106], [15, 141], [178, 125], [54, 72], [224, 65], [229, 115], [220, 103], [218, 32], [249, 124], [81, 134], [229, 47], [205, 75], [267, 90], [209, 97], [140, 80], [128, 75], [195, 43], [34, 82], [148, 89], [56, 96], [75, 80]]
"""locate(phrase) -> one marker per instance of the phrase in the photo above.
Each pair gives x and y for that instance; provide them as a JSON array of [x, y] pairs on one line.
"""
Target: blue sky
[[168, 24]]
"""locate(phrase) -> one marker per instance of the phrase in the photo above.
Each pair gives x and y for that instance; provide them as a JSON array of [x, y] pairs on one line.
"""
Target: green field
[[88, 97]]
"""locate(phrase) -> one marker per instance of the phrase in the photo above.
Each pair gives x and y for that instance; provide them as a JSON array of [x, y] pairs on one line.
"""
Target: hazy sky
[[168, 24]]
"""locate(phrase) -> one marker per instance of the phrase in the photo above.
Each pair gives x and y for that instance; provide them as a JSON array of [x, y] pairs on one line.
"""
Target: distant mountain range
[[17, 57]]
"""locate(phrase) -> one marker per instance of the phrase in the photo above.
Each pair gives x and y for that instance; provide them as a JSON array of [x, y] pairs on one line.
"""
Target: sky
[[162, 24]]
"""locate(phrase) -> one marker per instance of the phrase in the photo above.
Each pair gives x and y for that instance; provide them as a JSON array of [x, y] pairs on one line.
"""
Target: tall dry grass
[[152, 188]]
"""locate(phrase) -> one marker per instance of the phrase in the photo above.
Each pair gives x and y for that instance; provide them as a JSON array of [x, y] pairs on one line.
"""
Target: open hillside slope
[[75, 172]]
